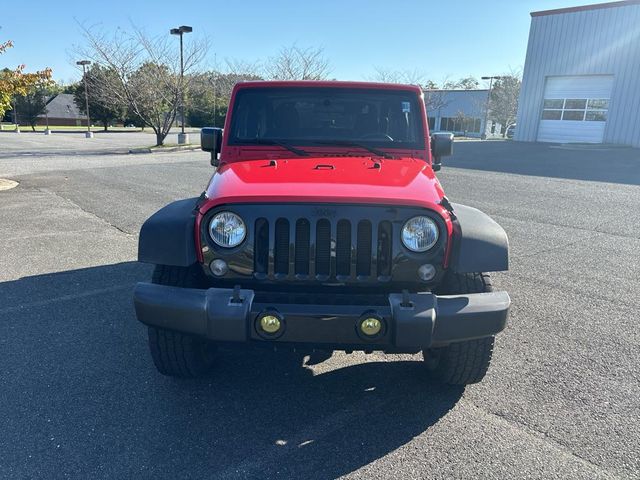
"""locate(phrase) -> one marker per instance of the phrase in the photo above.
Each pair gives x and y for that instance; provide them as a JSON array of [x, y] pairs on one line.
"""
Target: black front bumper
[[412, 321]]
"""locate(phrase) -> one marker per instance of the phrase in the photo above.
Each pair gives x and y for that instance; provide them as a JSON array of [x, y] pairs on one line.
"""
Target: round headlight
[[419, 234], [227, 229]]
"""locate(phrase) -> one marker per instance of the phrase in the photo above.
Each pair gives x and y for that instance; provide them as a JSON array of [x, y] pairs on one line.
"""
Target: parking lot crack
[[93, 214], [595, 229], [563, 287], [63, 298], [546, 438]]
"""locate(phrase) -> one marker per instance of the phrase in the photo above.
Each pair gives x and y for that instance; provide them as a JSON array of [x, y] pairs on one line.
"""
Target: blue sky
[[441, 39]]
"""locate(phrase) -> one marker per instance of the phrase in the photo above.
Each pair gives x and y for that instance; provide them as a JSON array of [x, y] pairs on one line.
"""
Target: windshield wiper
[[348, 143], [279, 143]]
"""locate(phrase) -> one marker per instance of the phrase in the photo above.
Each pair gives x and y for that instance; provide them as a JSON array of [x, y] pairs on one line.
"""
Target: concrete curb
[[135, 151]]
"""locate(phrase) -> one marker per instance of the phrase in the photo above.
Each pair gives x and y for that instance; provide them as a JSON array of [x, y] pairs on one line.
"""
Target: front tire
[[467, 362], [176, 354]]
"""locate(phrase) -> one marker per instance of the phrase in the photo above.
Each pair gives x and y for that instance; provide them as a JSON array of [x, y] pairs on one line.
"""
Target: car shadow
[[598, 163], [85, 399]]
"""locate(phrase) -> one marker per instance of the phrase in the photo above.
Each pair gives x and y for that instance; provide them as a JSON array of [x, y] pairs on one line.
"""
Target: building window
[[575, 104], [573, 115], [552, 114], [599, 103], [432, 123], [457, 124], [576, 109], [553, 103], [596, 116]]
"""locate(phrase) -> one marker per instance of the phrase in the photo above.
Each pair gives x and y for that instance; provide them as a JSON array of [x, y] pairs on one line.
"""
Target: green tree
[[157, 106], [209, 96], [31, 106], [101, 108]]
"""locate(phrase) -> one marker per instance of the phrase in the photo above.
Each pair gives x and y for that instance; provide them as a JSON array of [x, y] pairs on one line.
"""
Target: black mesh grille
[[343, 248], [281, 253], [323, 247], [261, 259], [384, 249], [363, 258], [302, 247]]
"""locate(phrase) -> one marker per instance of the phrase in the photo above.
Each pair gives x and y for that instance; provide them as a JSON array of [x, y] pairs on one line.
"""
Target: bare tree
[[146, 78], [435, 96], [298, 63], [464, 83], [388, 75], [242, 68], [435, 99]]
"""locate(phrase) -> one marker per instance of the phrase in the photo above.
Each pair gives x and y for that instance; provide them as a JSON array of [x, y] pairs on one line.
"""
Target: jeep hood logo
[[324, 212]]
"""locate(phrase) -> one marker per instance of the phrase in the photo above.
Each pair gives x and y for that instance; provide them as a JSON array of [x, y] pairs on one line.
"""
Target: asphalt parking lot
[[80, 397]]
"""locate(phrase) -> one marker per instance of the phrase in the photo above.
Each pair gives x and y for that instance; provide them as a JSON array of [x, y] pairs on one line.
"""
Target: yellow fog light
[[371, 326], [270, 324]]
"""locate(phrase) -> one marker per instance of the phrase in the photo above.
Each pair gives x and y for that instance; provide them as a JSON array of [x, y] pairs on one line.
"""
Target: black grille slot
[[302, 247], [384, 249], [281, 252], [261, 247], [323, 247], [363, 256], [343, 248]]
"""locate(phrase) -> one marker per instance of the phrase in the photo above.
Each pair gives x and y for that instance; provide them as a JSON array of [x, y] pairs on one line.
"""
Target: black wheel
[[467, 362], [176, 354]]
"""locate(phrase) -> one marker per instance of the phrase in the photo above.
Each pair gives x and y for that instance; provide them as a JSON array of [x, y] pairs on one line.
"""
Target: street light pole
[[84, 64], [215, 101], [182, 137], [486, 108]]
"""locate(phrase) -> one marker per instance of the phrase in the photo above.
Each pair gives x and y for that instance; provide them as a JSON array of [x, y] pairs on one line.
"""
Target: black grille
[[323, 248], [281, 253], [261, 258], [363, 257], [343, 248], [302, 247], [384, 249]]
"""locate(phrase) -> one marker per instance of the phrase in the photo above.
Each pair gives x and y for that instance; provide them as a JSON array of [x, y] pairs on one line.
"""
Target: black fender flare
[[479, 243], [167, 236]]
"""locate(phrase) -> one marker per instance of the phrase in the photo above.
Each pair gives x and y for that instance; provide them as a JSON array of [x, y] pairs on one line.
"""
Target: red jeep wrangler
[[324, 227]]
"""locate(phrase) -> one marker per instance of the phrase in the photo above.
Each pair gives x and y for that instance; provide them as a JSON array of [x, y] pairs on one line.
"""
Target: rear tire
[[462, 363], [176, 354]]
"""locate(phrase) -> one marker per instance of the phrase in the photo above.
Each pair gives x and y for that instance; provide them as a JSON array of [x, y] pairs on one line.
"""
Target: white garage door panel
[[562, 131], [592, 86], [575, 87]]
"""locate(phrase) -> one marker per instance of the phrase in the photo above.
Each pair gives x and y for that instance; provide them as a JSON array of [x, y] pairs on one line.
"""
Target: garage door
[[575, 109]]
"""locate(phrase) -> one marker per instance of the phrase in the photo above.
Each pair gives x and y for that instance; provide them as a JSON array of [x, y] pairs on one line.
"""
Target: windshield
[[327, 116]]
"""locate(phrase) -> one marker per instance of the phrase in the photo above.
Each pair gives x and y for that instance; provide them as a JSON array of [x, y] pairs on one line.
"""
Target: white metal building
[[460, 111], [581, 80]]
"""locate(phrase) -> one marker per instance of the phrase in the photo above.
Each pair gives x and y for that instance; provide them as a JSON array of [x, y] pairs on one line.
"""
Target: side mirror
[[211, 141], [441, 146]]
